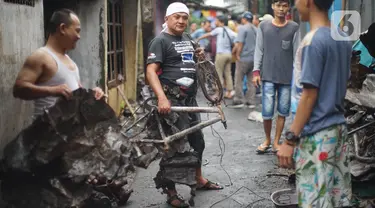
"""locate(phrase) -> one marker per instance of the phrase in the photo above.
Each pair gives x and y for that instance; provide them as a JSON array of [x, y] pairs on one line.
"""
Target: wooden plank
[[119, 90], [130, 36]]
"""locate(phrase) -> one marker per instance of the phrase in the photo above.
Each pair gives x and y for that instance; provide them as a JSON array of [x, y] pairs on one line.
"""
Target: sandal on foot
[[181, 202], [262, 149], [210, 186]]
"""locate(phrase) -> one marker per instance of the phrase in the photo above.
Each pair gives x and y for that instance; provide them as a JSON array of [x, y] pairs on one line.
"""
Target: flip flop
[[261, 149], [208, 186], [182, 202]]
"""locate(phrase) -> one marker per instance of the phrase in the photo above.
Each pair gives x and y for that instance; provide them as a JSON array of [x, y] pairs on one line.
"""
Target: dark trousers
[[184, 121], [187, 120]]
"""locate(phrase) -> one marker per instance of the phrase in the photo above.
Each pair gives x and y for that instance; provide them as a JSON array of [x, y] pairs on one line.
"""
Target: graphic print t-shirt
[[323, 63], [176, 57]]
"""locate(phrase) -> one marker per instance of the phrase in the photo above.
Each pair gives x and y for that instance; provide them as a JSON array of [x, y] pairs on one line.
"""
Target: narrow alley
[[248, 171]]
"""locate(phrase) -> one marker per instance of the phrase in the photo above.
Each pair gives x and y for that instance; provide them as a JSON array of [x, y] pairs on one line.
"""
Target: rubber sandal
[[208, 186], [182, 203], [261, 149]]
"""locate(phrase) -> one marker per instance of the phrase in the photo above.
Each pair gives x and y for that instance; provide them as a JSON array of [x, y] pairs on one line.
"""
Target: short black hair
[[61, 16], [324, 5], [205, 22], [281, 1], [223, 19], [238, 19]]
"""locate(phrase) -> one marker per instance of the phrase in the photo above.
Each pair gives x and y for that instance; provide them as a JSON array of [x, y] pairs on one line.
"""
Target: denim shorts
[[269, 92]]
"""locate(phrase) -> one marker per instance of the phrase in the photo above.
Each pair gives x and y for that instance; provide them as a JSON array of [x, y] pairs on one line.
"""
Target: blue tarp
[[366, 59]]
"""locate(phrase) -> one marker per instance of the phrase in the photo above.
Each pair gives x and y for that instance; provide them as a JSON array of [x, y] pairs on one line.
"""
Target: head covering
[[266, 17], [247, 15], [177, 7], [164, 27]]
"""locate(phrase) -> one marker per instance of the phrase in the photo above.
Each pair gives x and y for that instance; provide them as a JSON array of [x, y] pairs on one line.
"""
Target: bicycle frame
[[168, 139]]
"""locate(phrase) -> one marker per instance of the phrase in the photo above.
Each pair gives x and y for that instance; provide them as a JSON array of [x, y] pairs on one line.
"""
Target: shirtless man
[[49, 72]]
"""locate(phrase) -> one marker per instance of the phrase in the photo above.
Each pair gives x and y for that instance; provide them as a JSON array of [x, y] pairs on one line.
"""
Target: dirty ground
[[249, 172]]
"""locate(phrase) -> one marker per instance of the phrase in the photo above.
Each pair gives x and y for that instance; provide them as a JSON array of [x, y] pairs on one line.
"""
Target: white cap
[[266, 17], [177, 7]]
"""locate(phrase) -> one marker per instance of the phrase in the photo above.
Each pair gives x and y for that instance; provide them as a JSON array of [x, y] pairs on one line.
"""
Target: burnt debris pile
[[360, 117], [73, 155]]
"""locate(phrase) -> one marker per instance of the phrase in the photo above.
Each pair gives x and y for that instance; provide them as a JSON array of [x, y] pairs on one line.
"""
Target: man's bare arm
[[25, 87], [154, 81], [207, 35], [239, 50]]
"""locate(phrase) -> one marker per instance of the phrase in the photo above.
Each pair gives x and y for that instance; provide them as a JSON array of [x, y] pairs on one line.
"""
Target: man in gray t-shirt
[[276, 44], [225, 39], [244, 51]]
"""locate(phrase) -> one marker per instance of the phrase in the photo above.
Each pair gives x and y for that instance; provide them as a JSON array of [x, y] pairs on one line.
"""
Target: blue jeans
[[269, 91]]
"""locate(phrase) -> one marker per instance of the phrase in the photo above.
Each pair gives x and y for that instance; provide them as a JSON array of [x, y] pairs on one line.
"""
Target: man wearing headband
[[171, 75]]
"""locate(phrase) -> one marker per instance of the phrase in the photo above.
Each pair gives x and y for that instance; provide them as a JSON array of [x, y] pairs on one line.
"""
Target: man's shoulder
[[265, 23], [319, 37], [158, 40], [241, 28], [39, 55], [293, 23], [159, 37]]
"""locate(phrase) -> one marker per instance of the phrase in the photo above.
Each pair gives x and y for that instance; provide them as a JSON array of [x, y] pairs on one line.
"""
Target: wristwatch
[[291, 137]]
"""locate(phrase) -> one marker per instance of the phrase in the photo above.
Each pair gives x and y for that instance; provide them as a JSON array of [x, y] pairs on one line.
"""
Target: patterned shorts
[[322, 169]]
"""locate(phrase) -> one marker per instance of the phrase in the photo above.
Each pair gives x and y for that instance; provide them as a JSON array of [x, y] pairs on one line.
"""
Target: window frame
[[115, 43]]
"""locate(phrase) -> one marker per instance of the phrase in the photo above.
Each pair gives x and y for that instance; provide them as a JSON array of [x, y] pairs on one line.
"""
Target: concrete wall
[[89, 54], [21, 32]]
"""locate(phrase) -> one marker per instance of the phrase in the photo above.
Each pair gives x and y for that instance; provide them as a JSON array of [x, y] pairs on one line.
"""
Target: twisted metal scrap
[[48, 163]]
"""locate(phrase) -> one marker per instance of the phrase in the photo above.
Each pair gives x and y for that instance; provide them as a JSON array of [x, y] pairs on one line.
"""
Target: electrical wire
[[239, 189], [222, 152]]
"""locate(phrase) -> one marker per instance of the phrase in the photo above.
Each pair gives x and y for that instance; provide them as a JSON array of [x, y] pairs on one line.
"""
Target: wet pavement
[[249, 172]]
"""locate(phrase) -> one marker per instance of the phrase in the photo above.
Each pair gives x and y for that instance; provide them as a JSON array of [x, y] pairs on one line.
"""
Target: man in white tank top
[[49, 73]]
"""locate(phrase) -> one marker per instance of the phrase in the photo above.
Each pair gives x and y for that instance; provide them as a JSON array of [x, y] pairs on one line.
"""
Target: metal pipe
[[185, 132], [361, 127], [146, 141], [180, 134], [135, 123], [195, 109]]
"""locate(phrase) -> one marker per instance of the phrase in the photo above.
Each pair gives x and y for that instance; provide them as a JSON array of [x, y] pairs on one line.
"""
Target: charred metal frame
[[168, 139]]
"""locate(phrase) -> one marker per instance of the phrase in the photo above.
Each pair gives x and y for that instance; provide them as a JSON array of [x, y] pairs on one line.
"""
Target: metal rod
[[138, 150], [185, 132], [162, 134], [136, 122], [179, 135], [146, 141], [195, 109], [361, 127], [119, 90]]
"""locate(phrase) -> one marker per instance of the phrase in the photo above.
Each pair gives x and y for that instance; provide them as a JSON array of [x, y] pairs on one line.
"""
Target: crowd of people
[[306, 77]]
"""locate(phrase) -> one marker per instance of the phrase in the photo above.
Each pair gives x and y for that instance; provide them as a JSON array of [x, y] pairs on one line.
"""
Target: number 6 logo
[[351, 27]]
